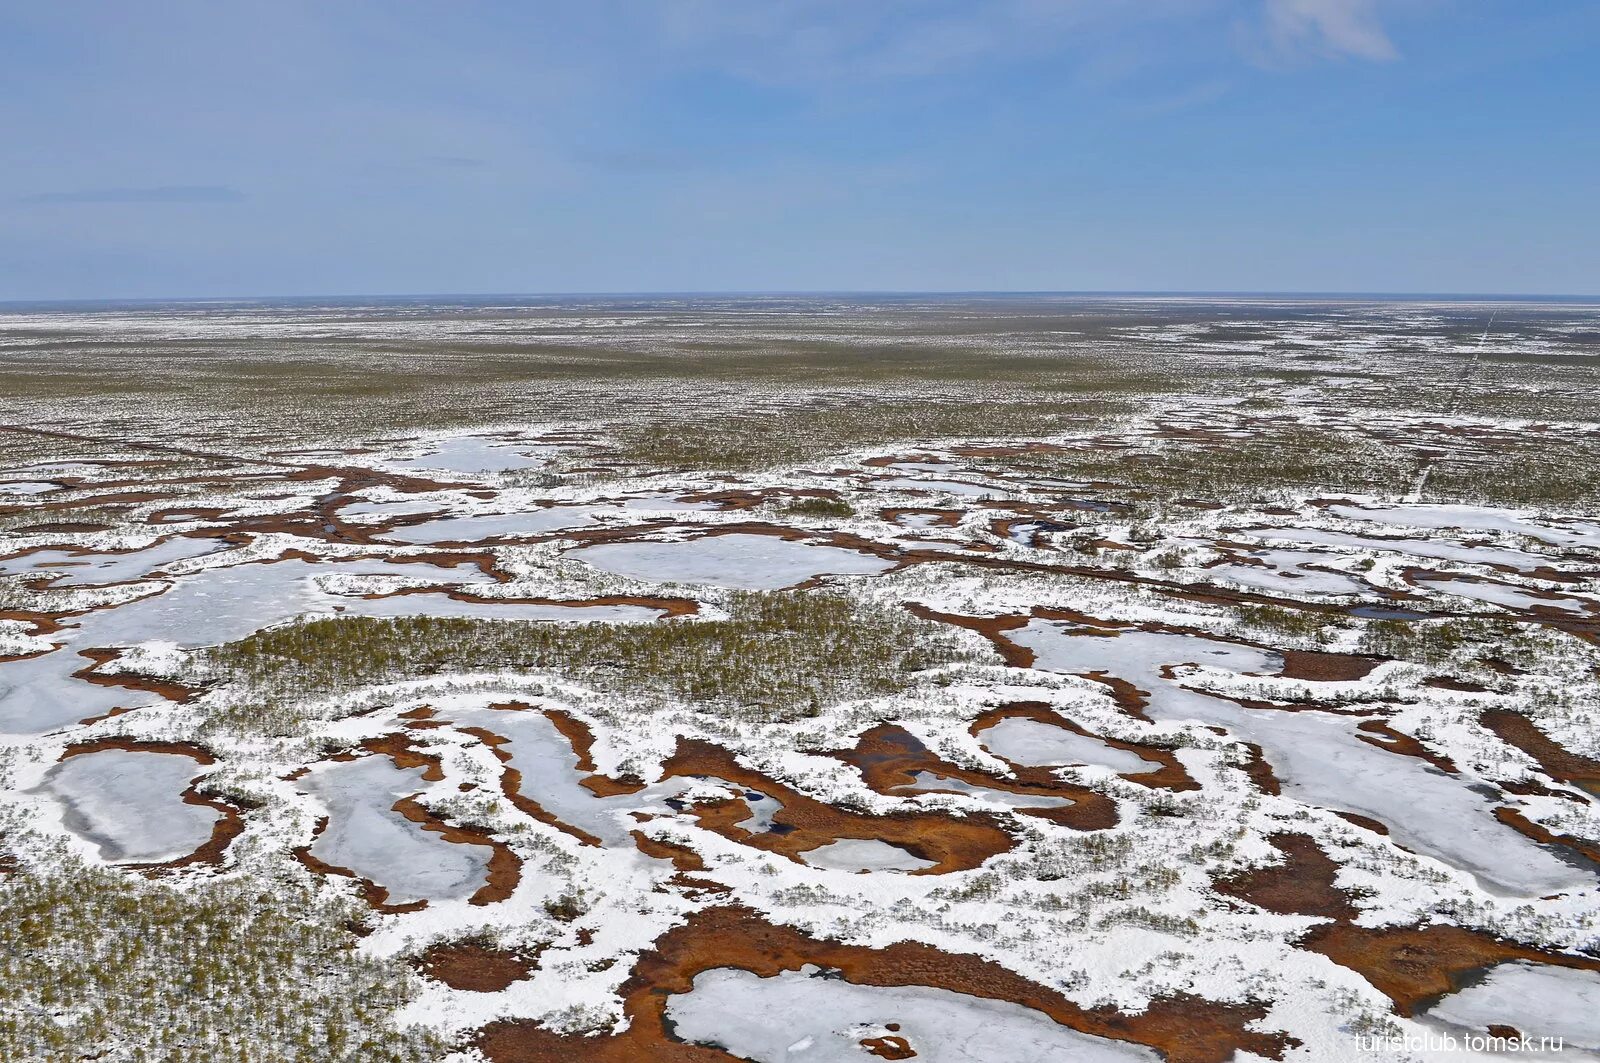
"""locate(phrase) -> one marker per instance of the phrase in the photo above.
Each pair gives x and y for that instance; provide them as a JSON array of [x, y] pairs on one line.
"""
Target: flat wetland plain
[[968, 679]]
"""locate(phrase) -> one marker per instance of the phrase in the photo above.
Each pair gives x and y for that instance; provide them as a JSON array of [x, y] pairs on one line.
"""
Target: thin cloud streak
[[157, 194], [1329, 28]]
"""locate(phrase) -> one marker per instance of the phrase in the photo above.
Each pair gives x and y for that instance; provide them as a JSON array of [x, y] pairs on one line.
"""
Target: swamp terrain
[[958, 679]]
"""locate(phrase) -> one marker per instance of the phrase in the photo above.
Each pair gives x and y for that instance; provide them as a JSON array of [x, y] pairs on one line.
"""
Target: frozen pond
[[806, 1016], [26, 488], [1473, 518], [39, 694], [1039, 745], [1501, 594], [1285, 570], [864, 854], [475, 454], [1434, 548], [221, 605], [1319, 757], [1535, 999], [935, 545], [933, 782], [919, 520], [367, 836], [947, 487], [665, 504], [548, 774], [218, 605], [130, 804], [479, 527], [402, 507], [74, 568], [762, 809], [740, 560]]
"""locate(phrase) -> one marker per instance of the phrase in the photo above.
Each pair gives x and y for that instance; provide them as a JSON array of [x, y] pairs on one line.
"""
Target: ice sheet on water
[[40, 694], [766, 1019], [479, 527], [1473, 518], [948, 487], [1502, 594], [130, 804], [1535, 999], [476, 454], [863, 854], [548, 772], [1319, 757], [932, 782], [1435, 548], [71, 568], [220, 605], [1285, 570], [740, 560], [1034, 744], [25, 488], [366, 835]]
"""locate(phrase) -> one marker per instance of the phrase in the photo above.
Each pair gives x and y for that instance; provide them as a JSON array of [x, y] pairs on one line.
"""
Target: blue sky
[[353, 147]]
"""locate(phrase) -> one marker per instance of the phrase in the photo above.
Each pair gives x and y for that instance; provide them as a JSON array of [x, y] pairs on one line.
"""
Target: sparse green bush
[[820, 506], [100, 963]]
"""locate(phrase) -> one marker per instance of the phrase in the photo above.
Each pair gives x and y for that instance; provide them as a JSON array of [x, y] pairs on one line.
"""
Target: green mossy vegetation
[[777, 656]]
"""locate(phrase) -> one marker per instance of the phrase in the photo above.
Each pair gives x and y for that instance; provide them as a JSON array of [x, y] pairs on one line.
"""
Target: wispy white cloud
[[831, 41], [159, 194], [1328, 28]]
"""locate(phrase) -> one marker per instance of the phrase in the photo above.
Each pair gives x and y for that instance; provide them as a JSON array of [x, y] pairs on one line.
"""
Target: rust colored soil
[[682, 858], [42, 623], [1514, 819], [946, 518], [1447, 682], [1185, 1029], [1325, 667], [1412, 966], [952, 843], [888, 757], [574, 730], [891, 1046], [1166, 772], [992, 628], [1561, 765], [1303, 884], [176, 692], [475, 966], [1380, 734], [1260, 771]]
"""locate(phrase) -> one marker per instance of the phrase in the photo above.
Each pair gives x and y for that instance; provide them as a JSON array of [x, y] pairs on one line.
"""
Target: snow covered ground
[[1298, 661]]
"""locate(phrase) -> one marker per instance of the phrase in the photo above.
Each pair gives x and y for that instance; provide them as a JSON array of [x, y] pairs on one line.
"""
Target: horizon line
[[754, 293]]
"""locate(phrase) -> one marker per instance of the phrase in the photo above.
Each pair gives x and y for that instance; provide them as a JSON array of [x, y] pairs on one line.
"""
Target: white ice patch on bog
[[805, 1017], [863, 854], [130, 804], [77, 568], [1035, 745], [1535, 999], [1319, 757], [481, 527], [366, 835], [475, 454], [741, 561]]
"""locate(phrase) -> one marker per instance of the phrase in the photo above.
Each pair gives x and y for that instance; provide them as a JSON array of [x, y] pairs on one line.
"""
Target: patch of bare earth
[[475, 966]]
